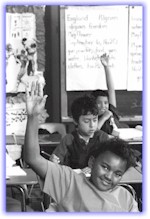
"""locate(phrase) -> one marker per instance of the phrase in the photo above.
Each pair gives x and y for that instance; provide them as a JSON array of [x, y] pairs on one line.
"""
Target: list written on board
[[90, 32], [135, 49]]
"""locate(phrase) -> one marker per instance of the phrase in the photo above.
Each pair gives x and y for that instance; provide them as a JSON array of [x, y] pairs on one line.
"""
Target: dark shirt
[[74, 152], [107, 127]]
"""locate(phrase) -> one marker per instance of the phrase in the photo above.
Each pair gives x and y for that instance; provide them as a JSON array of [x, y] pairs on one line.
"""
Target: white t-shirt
[[75, 193]]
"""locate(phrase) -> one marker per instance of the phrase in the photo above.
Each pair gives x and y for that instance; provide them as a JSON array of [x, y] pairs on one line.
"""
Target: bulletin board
[[22, 22], [20, 26], [87, 32]]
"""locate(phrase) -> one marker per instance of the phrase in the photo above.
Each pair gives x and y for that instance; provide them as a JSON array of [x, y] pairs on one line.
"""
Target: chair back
[[131, 190], [54, 127]]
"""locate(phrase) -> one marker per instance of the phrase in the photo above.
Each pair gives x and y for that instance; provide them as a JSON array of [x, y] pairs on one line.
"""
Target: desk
[[132, 136], [135, 142], [132, 176], [44, 139], [19, 181], [48, 142], [49, 139], [132, 121]]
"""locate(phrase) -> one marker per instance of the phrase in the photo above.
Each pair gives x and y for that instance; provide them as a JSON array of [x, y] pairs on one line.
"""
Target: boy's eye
[[99, 104], [86, 121], [95, 120]]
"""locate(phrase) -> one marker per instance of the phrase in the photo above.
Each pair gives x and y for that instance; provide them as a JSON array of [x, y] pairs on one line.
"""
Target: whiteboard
[[90, 31], [135, 49]]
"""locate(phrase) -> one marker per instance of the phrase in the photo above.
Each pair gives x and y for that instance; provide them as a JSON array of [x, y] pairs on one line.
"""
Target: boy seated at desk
[[71, 191], [75, 147], [108, 119]]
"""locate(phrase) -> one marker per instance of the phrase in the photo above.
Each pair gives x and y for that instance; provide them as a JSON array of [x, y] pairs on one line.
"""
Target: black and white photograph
[[74, 131]]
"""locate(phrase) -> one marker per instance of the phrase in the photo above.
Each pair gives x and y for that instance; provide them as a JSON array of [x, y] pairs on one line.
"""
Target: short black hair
[[118, 147], [82, 106], [97, 93]]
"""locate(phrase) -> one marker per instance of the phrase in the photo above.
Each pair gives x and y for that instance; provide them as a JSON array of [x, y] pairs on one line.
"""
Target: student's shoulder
[[68, 138], [125, 191], [127, 197], [54, 168], [102, 135]]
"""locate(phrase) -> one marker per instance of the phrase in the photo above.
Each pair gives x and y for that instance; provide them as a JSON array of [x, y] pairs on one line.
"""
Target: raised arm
[[109, 80], [106, 115], [35, 103]]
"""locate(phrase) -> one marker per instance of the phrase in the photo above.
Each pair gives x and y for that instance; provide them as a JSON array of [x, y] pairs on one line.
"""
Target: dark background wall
[[52, 70]]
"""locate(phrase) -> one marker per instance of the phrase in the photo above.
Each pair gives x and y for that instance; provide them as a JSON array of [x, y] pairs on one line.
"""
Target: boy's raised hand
[[35, 101], [105, 59]]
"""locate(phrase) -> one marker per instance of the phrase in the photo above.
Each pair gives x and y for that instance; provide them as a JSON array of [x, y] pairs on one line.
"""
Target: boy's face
[[102, 103], [107, 170], [87, 124]]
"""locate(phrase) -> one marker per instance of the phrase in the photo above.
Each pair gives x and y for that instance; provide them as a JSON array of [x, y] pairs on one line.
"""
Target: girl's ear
[[91, 162]]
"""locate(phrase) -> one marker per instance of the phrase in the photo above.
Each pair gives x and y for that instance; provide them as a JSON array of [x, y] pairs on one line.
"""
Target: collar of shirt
[[85, 139]]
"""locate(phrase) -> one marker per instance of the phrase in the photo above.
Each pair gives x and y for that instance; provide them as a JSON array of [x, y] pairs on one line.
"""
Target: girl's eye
[[118, 174], [105, 167]]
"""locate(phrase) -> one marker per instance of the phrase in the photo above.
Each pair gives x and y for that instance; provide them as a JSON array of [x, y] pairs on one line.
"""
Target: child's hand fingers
[[40, 90], [86, 170], [54, 158], [33, 88], [104, 57], [27, 90], [36, 88], [43, 101], [55, 161]]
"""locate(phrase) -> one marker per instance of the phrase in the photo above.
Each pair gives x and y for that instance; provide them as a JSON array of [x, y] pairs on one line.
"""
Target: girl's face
[[87, 124], [107, 170], [102, 103]]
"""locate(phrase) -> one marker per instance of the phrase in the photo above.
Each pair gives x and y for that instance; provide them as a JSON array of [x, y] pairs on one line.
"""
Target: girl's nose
[[109, 175]]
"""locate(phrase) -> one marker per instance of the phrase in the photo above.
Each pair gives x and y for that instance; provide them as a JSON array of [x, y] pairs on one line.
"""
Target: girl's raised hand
[[105, 59], [35, 101]]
